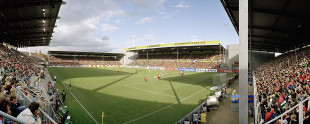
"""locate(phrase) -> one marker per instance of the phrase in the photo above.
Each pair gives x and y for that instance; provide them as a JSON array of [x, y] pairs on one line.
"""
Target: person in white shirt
[[31, 114]]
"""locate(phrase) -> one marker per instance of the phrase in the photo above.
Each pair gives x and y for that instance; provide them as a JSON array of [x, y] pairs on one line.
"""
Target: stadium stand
[[21, 73], [77, 61], [74, 58], [35, 56], [282, 83], [205, 61]]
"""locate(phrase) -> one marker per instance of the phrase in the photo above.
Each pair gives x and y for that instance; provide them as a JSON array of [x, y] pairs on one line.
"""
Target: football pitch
[[125, 97]]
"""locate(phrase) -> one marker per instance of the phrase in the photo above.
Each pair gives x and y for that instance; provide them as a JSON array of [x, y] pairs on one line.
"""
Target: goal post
[[219, 78]]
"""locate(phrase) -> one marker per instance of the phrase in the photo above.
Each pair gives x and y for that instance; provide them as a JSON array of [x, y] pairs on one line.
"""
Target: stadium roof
[[60, 53], [25, 23], [191, 46], [276, 25]]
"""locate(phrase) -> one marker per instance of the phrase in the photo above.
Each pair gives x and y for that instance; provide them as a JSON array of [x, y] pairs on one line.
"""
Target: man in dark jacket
[[15, 109]]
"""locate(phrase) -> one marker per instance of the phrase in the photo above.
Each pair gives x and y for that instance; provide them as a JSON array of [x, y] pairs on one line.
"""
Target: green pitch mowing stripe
[[126, 98]]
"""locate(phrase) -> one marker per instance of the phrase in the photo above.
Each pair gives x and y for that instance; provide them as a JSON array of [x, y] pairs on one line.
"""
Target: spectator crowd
[[282, 83], [203, 61], [18, 71]]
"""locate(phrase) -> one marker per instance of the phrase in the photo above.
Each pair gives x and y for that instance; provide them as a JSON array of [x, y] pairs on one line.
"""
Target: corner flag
[[103, 115]]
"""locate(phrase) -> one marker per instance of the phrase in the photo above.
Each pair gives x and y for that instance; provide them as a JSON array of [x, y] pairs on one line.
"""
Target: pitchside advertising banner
[[187, 69], [211, 70], [201, 70], [224, 70], [172, 69]]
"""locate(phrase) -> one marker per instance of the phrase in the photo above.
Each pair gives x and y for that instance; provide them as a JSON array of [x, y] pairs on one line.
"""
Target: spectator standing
[[63, 96], [203, 118]]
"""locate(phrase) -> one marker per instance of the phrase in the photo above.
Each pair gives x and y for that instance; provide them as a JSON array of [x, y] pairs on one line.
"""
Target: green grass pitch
[[126, 98]]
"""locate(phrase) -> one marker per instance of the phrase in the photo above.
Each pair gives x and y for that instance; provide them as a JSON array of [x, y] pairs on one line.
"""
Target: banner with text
[[187, 69]]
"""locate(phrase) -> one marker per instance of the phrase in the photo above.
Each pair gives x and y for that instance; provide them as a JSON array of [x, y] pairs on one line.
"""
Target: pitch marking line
[[76, 99], [147, 90], [163, 108], [151, 91], [147, 82]]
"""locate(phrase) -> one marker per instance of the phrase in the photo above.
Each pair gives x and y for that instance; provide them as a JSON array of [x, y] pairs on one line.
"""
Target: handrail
[[300, 110], [47, 100], [189, 114], [41, 111], [11, 117], [46, 115], [53, 112]]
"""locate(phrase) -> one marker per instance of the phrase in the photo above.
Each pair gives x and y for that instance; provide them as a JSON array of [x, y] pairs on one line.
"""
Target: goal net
[[219, 78]]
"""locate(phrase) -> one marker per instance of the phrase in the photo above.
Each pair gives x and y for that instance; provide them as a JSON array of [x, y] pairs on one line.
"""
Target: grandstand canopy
[[274, 25], [28, 23], [181, 47], [76, 53]]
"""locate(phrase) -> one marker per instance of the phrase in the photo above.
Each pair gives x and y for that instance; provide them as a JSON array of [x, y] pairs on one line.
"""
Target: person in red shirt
[[267, 115], [145, 79]]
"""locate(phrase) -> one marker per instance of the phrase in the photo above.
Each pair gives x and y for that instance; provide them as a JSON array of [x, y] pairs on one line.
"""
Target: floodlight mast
[[133, 40]]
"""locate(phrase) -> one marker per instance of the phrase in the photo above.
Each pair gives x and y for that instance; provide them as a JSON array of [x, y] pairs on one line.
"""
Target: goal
[[219, 78]]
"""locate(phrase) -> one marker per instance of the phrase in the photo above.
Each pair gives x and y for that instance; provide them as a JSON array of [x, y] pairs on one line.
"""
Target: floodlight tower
[[133, 40]]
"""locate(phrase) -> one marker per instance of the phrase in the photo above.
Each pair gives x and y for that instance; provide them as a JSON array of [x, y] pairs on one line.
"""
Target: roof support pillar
[[243, 59], [177, 57]]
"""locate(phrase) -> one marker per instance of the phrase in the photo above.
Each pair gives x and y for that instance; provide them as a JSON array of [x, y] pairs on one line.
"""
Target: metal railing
[[48, 106], [299, 111], [25, 101], [258, 115], [11, 118], [189, 115], [257, 109], [49, 109]]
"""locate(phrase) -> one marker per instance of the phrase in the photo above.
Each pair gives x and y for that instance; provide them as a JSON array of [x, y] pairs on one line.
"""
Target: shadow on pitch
[[128, 109]]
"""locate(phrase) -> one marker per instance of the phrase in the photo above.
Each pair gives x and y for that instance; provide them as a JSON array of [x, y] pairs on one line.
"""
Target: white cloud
[[108, 28], [144, 20], [160, 3], [182, 5], [165, 15], [80, 26], [85, 25], [105, 38]]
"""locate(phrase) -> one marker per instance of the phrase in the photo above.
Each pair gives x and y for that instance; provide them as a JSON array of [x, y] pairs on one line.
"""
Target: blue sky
[[107, 25]]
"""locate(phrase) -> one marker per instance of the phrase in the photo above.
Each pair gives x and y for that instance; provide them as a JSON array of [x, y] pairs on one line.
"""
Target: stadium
[[186, 82]]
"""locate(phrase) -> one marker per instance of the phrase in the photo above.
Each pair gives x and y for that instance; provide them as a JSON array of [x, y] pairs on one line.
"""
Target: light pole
[[133, 40]]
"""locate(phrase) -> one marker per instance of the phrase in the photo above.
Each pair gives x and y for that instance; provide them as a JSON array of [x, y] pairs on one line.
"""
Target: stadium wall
[[128, 58], [257, 58]]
